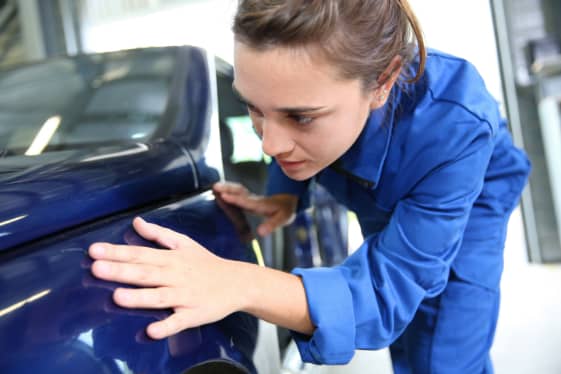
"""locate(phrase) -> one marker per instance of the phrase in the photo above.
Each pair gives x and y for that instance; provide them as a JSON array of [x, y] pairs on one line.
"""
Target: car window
[[70, 102], [240, 142], [242, 153]]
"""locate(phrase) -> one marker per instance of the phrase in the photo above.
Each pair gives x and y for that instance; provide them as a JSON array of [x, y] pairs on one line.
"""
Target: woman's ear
[[385, 83]]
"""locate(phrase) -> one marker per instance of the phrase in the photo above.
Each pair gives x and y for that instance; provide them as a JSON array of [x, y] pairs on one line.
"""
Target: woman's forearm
[[273, 296]]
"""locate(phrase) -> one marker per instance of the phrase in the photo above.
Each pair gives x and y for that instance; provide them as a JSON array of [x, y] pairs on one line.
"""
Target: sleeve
[[366, 302], [279, 183]]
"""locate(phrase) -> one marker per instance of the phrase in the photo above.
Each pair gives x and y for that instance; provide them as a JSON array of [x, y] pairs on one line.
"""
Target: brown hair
[[361, 37]]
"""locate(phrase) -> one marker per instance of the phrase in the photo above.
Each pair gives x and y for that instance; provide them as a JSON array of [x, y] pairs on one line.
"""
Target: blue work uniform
[[432, 178]]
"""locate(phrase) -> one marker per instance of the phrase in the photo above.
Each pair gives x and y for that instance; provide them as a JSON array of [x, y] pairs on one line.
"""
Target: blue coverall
[[432, 178]]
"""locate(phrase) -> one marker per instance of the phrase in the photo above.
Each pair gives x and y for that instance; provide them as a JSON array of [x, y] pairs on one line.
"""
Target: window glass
[[67, 103], [240, 143], [246, 143]]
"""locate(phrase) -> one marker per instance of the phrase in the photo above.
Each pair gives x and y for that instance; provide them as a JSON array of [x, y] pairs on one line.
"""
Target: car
[[87, 143]]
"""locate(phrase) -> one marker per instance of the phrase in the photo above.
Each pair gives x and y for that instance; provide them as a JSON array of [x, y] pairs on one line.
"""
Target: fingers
[[237, 194], [230, 188], [252, 203], [175, 323], [272, 223], [129, 254], [148, 298], [136, 274], [265, 229], [161, 235]]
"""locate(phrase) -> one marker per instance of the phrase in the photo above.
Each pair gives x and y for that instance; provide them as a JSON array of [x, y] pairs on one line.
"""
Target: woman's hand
[[278, 210], [199, 286]]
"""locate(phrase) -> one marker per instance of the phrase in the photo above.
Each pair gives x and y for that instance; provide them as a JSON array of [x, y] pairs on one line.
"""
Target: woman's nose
[[276, 139]]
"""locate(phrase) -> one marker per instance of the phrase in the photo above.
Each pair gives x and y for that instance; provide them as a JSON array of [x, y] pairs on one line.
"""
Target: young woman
[[344, 92]]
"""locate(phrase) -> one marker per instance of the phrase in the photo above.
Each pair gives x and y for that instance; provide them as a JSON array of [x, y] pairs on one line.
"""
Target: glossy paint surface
[[43, 199], [55, 317]]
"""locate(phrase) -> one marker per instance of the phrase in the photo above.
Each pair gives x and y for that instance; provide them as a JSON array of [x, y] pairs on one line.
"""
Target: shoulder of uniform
[[457, 91]]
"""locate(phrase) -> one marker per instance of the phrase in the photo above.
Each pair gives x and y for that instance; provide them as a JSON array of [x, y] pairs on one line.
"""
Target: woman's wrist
[[272, 295]]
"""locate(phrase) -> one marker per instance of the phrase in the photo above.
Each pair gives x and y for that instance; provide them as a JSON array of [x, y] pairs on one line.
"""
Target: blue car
[[91, 141]]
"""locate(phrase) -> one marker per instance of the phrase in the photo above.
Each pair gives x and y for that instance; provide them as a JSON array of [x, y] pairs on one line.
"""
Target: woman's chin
[[300, 174]]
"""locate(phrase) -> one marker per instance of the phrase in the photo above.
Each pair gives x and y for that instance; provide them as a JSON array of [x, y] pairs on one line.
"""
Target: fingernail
[[97, 249], [154, 331], [102, 268], [122, 296]]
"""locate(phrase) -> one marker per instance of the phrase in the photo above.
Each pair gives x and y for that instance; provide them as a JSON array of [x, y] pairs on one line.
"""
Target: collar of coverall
[[364, 161]]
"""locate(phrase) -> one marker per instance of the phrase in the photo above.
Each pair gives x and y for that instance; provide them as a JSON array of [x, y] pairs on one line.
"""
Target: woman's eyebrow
[[287, 110], [299, 110]]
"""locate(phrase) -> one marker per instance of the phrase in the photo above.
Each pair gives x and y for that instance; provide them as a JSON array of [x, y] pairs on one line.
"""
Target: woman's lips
[[290, 165]]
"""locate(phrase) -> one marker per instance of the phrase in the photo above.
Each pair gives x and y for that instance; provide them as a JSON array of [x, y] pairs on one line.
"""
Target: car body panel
[[42, 199], [59, 318]]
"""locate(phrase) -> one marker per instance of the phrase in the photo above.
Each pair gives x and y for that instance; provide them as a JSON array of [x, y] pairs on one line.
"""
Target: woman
[[411, 141]]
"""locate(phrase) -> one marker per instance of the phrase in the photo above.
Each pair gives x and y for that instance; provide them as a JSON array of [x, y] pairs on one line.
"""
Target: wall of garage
[[112, 25]]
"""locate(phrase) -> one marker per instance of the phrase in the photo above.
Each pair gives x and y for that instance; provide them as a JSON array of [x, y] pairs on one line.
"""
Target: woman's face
[[306, 116]]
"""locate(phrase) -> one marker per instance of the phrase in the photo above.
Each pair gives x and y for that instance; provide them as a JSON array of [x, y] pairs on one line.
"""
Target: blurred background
[[513, 43]]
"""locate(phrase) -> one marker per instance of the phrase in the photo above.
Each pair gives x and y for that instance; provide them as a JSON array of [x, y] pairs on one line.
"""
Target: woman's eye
[[254, 110], [301, 120]]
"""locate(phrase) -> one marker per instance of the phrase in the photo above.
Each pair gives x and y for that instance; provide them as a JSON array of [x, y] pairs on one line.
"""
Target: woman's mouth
[[290, 165]]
